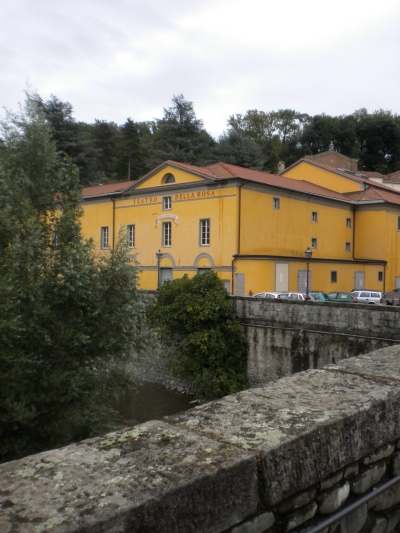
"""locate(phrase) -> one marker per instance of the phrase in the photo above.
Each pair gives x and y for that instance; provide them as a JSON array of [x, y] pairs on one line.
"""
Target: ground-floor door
[[302, 280], [239, 284], [165, 275], [359, 279], [281, 277]]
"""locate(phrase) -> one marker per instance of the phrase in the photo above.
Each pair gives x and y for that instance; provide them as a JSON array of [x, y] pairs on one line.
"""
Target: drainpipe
[[113, 223], [239, 229]]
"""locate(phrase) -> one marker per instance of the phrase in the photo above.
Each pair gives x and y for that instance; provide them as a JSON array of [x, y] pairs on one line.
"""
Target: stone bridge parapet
[[274, 459]]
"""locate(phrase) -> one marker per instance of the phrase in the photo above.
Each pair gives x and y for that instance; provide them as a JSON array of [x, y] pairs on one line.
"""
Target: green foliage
[[68, 318], [195, 316], [180, 136]]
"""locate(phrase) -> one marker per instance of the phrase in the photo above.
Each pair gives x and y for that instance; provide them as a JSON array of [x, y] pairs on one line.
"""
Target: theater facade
[[253, 228]]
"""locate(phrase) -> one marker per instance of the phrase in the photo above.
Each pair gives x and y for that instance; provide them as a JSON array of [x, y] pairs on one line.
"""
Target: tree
[[180, 136], [68, 317], [195, 316], [131, 156], [237, 149], [73, 139]]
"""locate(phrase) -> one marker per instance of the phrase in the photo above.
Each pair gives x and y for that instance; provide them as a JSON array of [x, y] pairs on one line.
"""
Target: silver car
[[270, 295], [369, 297]]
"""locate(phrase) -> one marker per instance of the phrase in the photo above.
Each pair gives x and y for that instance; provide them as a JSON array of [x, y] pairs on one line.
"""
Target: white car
[[365, 296], [271, 295]]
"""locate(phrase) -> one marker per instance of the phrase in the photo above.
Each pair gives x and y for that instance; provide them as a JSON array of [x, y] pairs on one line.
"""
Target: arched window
[[168, 178]]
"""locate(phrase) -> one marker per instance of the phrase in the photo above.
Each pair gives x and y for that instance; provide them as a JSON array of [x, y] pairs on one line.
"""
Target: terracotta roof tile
[[373, 193], [108, 188]]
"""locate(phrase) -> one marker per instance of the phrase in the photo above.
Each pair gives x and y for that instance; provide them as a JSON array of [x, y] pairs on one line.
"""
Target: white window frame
[[104, 234], [348, 222], [314, 216], [130, 235], [276, 203], [204, 232], [334, 276], [167, 234], [348, 247], [167, 203], [314, 243]]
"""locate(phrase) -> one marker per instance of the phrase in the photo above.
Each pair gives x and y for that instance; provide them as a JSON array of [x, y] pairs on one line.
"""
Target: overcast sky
[[113, 59]]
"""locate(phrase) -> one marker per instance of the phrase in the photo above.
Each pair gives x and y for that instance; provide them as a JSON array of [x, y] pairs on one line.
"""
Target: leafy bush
[[196, 317]]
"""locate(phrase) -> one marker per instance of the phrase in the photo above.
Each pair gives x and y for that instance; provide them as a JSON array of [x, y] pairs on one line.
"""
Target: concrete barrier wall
[[272, 459]]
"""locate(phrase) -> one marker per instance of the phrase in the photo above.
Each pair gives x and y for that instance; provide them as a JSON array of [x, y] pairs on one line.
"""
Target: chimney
[[281, 167]]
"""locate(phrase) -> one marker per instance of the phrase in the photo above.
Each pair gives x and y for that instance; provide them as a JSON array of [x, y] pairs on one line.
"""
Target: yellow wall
[[325, 178], [219, 205], [288, 231]]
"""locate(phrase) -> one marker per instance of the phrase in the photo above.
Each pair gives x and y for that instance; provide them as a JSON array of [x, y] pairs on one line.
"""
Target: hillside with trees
[[107, 152]]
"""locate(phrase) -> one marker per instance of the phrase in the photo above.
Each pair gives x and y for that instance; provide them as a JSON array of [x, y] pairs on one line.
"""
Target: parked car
[[271, 295], [298, 296], [342, 297], [319, 296], [366, 296]]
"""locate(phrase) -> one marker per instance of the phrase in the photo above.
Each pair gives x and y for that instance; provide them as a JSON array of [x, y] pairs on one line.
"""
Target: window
[[348, 222], [205, 232], [333, 276], [104, 237], [380, 275], [314, 243], [167, 202], [168, 178], [276, 203], [347, 247], [314, 216], [166, 233], [130, 234]]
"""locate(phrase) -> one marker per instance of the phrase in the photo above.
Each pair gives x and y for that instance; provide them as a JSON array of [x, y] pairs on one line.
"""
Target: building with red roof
[[252, 227]]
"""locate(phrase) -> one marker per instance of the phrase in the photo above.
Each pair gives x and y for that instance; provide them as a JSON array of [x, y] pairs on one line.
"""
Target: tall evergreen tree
[[179, 135], [131, 156]]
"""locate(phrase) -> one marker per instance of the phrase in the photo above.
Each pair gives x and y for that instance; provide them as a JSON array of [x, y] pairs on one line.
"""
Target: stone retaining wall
[[273, 459], [287, 337]]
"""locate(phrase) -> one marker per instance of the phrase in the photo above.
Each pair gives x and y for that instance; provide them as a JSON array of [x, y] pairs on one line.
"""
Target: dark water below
[[149, 402]]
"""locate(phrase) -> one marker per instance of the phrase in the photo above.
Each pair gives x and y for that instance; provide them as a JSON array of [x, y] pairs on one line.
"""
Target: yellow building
[[252, 228]]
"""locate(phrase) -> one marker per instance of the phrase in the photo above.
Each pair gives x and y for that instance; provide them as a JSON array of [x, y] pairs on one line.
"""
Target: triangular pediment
[[171, 174]]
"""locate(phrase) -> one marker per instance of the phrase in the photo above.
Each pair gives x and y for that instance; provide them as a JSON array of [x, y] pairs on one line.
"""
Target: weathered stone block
[[368, 478], [332, 500], [353, 522], [297, 501], [351, 471], [378, 525], [383, 452], [396, 464], [259, 524], [153, 477], [301, 516], [330, 481], [386, 500]]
